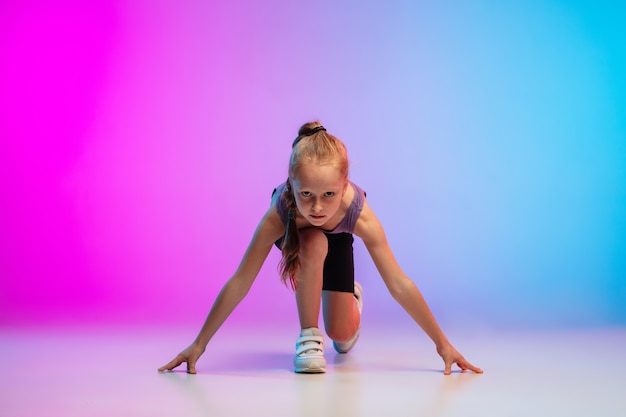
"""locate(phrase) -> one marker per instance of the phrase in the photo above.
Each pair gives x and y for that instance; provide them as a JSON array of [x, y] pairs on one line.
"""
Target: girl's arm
[[268, 231], [403, 290]]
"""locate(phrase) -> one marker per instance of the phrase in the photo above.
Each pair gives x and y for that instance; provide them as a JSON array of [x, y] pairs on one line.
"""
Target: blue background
[[143, 141]]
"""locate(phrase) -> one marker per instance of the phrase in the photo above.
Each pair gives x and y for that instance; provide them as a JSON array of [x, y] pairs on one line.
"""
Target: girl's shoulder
[[367, 226], [359, 194], [279, 203], [356, 198]]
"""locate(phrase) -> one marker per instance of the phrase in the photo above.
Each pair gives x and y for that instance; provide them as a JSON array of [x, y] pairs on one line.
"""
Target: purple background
[[140, 142]]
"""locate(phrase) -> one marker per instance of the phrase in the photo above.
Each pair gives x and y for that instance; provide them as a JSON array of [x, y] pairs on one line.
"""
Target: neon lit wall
[[140, 142]]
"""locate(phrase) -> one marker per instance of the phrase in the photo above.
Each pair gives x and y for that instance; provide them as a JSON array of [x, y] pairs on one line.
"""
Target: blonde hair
[[313, 145]]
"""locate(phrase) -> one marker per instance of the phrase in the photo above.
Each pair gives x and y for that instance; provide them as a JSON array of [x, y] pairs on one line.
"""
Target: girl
[[312, 219]]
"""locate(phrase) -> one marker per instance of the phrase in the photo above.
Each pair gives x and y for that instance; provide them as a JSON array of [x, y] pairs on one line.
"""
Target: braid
[[290, 263]]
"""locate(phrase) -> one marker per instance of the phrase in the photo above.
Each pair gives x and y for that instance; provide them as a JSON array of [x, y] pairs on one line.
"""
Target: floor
[[105, 371]]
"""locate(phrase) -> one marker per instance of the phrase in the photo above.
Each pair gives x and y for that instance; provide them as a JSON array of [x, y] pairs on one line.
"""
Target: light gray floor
[[108, 371]]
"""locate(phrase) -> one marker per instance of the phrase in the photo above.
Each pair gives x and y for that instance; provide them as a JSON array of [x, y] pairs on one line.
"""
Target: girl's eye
[[305, 194], [329, 194]]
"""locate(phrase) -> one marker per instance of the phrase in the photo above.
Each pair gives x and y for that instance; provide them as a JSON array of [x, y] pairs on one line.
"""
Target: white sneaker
[[345, 347], [310, 352]]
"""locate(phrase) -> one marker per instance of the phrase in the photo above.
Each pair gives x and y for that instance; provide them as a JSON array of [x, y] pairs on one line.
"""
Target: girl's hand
[[189, 355], [450, 355]]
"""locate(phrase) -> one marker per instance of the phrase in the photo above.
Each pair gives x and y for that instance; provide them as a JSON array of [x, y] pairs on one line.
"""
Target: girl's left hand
[[450, 356]]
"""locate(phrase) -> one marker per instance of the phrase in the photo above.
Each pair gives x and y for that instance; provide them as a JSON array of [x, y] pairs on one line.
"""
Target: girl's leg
[[310, 345], [342, 318], [313, 250]]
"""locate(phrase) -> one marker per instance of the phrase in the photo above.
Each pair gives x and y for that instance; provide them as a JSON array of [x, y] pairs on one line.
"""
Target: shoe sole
[[312, 367], [310, 370]]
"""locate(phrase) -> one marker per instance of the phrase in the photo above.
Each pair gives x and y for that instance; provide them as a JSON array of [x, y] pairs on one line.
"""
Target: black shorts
[[339, 263]]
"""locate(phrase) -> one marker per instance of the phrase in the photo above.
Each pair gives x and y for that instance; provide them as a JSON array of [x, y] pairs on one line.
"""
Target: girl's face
[[318, 190]]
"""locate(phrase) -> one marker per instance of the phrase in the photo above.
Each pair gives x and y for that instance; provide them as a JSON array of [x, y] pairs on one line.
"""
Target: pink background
[[140, 142]]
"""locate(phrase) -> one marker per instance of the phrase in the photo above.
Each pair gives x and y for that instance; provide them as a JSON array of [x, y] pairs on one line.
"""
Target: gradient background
[[140, 142]]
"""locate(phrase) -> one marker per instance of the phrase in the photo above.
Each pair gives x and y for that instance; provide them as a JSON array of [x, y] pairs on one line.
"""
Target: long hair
[[313, 145]]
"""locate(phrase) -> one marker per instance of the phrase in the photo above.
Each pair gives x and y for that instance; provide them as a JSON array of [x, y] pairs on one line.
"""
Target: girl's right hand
[[189, 355]]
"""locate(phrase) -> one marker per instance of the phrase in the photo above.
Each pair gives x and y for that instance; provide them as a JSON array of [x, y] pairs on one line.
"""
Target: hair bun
[[305, 131]]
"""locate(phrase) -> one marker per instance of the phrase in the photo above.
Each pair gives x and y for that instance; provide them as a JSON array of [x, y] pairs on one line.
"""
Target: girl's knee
[[313, 245], [339, 333]]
